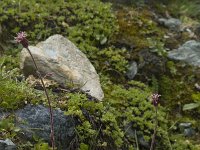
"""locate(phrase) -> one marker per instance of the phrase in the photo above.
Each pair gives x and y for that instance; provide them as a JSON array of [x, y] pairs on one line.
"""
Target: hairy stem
[[48, 99], [155, 129]]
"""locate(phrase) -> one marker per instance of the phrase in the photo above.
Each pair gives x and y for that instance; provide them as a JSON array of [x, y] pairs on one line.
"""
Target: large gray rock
[[35, 120], [59, 56], [189, 52], [171, 23]]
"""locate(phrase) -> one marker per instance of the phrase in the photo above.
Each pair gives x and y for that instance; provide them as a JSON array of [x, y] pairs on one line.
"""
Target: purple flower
[[21, 38], [155, 99]]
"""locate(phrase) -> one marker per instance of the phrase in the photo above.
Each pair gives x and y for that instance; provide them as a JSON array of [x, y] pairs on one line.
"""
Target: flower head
[[21, 38], [155, 99]]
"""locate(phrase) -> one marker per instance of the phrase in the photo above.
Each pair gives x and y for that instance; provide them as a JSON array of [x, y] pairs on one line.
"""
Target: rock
[[189, 132], [35, 120], [197, 31], [59, 56], [189, 52], [185, 125], [150, 64], [132, 70], [143, 142], [186, 129], [132, 133], [171, 23], [7, 145]]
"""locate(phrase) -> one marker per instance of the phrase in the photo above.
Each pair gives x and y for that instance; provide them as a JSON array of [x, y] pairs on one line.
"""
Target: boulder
[[189, 52], [67, 64], [35, 120]]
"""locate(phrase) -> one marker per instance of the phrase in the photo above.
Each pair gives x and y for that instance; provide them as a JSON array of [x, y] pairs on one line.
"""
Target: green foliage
[[157, 46], [136, 26], [105, 124], [82, 21], [8, 128], [190, 106], [181, 143], [172, 67], [112, 58], [14, 94], [184, 8], [89, 24], [196, 99], [174, 91], [10, 59], [42, 146]]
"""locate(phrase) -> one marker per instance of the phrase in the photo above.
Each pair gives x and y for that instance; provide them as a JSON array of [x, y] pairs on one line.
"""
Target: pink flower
[[155, 99], [21, 38]]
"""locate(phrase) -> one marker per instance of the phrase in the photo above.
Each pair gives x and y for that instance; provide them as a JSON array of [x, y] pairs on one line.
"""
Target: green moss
[[105, 124], [112, 58], [136, 25], [13, 93], [180, 143], [174, 91], [89, 24]]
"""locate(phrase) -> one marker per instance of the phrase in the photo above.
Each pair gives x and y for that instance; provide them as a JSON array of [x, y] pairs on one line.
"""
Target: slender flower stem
[[21, 38], [48, 99], [155, 129]]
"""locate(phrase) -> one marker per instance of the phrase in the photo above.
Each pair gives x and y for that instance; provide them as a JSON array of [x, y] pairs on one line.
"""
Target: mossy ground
[[110, 37]]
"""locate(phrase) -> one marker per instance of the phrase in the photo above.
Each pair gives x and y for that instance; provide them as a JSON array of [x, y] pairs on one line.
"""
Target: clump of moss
[[112, 59], [14, 94], [136, 25], [179, 142], [82, 21], [110, 124]]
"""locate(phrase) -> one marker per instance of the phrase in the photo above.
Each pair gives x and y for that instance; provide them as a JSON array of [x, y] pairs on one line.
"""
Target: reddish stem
[[48, 99], [155, 129]]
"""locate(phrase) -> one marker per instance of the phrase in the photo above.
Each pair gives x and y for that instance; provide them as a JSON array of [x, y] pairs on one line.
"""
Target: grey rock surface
[[171, 23], [35, 120], [59, 56], [7, 145], [185, 125], [150, 64], [189, 52], [132, 133], [188, 132], [132, 70]]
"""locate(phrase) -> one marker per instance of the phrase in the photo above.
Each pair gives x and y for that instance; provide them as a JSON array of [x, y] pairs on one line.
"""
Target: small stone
[[185, 125], [132, 70], [7, 145], [143, 142], [189, 132], [171, 23]]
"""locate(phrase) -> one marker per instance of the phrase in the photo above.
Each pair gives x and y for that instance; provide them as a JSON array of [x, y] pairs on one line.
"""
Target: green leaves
[[190, 106]]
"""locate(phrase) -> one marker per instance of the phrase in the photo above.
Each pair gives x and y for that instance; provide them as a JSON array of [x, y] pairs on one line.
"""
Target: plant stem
[[155, 129], [48, 99], [136, 140]]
